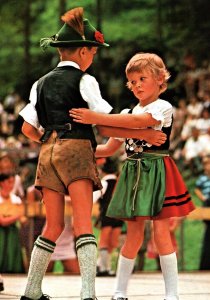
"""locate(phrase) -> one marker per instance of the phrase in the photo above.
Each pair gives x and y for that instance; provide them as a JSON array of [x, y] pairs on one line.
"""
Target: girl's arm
[[31, 132], [151, 136], [108, 149], [86, 116]]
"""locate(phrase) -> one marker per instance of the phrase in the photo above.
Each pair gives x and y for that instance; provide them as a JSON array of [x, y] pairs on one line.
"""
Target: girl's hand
[[83, 115], [154, 137]]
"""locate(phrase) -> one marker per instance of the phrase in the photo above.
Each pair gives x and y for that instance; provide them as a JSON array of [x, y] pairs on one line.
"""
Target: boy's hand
[[154, 137], [83, 115]]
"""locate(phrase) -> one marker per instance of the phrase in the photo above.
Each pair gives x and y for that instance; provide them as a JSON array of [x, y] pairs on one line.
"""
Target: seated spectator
[[11, 258], [180, 115], [194, 107], [203, 123], [8, 165], [186, 131], [194, 149]]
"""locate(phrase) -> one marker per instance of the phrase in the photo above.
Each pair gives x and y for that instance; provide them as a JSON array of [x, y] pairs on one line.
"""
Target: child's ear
[[160, 79], [82, 51]]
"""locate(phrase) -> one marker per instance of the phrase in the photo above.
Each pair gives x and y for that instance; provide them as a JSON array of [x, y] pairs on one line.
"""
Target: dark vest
[[132, 145], [58, 92]]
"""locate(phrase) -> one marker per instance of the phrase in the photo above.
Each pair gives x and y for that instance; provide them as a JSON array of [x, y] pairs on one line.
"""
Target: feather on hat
[[76, 32]]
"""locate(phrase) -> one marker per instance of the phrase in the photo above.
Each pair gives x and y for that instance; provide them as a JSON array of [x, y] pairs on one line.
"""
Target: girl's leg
[[134, 239], [168, 259], [81, 193], [45, 244]]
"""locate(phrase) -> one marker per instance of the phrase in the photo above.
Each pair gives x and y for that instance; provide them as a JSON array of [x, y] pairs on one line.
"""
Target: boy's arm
[[86, 116], [31, 132], [151, 136]]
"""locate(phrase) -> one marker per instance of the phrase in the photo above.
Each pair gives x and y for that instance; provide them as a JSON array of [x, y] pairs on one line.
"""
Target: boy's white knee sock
[[124, 270], [169, 269], [87, 255], [40, 257]]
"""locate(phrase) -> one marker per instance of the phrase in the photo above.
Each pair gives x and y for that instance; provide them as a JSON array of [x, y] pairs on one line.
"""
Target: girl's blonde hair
[[151, 62]]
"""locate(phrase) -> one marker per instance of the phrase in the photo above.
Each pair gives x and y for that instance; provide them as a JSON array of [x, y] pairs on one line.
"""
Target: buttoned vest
[[57, 93]]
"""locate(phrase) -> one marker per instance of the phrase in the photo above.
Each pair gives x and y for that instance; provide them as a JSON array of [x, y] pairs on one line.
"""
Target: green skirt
[[11, 260], [140, 188]]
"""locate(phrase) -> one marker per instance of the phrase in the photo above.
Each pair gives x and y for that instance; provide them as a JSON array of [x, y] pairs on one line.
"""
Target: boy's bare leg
[[45, 244]]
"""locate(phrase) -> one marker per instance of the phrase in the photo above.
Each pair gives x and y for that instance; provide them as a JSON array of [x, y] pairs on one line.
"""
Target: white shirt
[[89, 89]]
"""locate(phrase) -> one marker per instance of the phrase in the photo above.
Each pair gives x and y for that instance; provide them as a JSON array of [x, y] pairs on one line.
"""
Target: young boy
[[66, 161]]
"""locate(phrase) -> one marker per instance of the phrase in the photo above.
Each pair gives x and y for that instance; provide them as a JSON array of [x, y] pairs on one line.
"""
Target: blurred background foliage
[[167, 27]]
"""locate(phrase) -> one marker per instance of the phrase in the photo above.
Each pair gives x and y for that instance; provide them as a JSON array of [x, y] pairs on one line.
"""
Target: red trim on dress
[[177, 201]]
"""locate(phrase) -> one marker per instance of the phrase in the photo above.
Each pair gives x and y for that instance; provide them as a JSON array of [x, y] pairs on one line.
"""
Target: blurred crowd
[[190, 138]]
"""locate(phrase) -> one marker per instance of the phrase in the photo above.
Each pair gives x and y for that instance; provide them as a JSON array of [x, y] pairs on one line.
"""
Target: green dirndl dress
[[140, 189]]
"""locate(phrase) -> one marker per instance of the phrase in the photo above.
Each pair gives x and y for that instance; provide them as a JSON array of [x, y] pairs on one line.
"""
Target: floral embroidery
[[99, 37]]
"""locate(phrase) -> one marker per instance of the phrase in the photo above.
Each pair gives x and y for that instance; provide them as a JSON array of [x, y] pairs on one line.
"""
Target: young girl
[[150, 185]]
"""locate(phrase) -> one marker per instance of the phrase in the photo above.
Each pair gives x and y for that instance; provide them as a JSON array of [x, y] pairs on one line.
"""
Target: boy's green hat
[[76, 32]]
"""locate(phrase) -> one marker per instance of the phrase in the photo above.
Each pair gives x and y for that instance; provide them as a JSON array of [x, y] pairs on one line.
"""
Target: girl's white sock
[[169, 269], [124, 271]]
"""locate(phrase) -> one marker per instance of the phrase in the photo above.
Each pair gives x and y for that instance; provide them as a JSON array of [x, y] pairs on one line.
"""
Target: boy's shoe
[[43, 297], [119, 298], [1, 286]]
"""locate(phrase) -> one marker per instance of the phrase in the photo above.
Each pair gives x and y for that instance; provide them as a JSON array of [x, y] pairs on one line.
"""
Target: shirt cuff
[[29, 115]]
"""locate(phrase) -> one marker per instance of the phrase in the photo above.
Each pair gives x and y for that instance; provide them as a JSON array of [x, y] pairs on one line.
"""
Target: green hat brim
[[73, 43]]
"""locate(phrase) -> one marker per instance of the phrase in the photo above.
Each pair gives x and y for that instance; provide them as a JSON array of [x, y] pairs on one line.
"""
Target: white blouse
[[160, 110]]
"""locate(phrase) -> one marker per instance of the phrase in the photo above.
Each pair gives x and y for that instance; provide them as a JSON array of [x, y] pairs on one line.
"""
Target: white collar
[[68, 63]]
